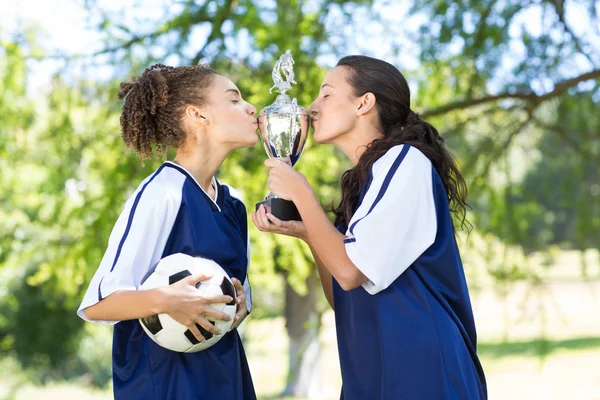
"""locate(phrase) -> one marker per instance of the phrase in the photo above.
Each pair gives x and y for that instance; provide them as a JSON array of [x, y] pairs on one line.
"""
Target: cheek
[[335, 119], [236, 118], [220, 117], [241, 127]]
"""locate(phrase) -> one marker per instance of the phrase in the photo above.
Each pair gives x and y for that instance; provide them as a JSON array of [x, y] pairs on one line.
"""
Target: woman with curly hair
[[389, 265], [180, 208]]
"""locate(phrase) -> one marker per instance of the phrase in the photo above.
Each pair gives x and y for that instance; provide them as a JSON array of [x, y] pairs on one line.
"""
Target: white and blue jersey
[[170, 213], [408, 332]]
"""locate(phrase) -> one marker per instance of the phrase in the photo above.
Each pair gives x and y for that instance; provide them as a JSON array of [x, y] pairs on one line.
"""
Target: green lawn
[[534, 343]]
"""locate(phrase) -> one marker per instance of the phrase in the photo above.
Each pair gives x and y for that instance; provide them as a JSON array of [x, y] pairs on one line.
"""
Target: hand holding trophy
[[283, 130]]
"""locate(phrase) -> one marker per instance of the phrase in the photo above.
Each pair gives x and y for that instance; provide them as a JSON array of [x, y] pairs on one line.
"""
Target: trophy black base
[[284, 210]]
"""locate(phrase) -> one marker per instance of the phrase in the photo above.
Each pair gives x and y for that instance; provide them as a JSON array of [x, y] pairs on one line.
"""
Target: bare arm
[[181, 301], [325, 239], [128, 304], [266, 222], [326, 279], [327, 242]]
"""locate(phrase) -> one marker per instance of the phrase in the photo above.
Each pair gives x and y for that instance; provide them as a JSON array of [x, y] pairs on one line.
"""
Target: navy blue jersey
[[170, 213], [408, 332]]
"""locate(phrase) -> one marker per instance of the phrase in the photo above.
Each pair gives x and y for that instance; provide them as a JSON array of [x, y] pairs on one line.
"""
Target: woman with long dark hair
[[389, 265]]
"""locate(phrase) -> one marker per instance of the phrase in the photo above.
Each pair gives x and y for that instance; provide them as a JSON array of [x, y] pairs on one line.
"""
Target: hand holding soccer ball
[[199, 303], [189, 306], [240, 300]]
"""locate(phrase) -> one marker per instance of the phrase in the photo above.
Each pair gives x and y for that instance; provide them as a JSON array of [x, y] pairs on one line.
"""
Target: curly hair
[[155, 103], [399, 125]]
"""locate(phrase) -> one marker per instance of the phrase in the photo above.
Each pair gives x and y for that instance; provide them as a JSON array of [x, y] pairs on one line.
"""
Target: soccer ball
[[167, 332]]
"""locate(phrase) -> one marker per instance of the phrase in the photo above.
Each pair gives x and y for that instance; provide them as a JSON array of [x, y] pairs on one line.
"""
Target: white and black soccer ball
[[167, 332]]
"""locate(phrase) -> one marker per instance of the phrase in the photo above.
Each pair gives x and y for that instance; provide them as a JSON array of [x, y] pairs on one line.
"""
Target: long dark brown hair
[[399, 125], [154, 105]]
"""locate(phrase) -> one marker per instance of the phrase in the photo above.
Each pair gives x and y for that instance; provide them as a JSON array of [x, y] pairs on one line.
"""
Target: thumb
[[237, 283], [270, 163]]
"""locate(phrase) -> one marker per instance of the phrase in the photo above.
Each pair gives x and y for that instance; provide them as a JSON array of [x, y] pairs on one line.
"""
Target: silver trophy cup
[[283, 130]]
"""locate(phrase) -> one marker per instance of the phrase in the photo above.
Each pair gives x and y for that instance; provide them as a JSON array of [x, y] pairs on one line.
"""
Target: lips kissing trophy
[[283, 130]]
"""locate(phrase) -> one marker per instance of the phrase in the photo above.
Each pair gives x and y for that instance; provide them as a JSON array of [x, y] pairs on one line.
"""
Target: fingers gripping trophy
[[283, 130]]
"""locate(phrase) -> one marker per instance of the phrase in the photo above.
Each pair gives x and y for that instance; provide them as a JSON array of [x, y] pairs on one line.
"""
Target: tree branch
[[527, 97], [563, 86], [514, 129], [565, 137], [477, 42], [483, 24], [453, 131], [460, 105], [217, 24], [180, 22], [559, 8], [126, 45]]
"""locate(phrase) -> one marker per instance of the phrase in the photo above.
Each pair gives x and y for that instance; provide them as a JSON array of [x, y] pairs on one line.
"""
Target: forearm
[[127, 304], [325, 276], [328, 242]]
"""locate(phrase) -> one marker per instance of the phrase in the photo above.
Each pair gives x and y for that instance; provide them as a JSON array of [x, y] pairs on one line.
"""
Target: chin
[[244, 143], [251, 141], [320, 137]]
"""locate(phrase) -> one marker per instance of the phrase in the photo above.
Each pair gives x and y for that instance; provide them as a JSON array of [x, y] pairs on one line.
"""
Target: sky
[[62, 26], [66, 27]]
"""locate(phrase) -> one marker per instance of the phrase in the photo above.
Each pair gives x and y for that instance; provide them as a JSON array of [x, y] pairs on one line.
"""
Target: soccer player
[[389, 265], [180, 208]]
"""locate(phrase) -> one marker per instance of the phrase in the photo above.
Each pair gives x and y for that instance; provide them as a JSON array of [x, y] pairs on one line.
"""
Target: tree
[[514, 86], [508, 83], [46, 215]]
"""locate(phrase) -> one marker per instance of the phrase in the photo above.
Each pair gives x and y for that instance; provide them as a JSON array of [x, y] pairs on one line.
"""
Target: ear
[[367, 102], [196, 114]]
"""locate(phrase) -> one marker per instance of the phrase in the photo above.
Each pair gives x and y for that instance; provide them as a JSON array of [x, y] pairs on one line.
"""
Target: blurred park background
[[512, 85]]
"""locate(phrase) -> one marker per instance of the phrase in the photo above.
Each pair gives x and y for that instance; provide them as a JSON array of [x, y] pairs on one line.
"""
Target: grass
[[537, 347], [535, 343]]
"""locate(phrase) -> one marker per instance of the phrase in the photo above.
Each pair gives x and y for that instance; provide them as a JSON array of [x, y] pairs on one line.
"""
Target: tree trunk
[[303, 323]]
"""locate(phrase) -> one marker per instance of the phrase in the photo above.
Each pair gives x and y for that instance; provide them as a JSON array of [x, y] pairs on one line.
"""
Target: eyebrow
[[234, 91], [326, 84]]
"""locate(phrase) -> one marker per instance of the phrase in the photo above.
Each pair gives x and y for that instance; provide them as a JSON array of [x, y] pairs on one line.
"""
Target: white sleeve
[[136, 243], [396, 221]]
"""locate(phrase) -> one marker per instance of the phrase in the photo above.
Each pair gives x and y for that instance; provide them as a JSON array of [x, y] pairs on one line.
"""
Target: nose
[[251, 109], [314, 109]]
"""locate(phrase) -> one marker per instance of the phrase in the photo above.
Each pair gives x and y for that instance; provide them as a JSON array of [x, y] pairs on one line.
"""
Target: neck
[[202, 162], [355, 142]]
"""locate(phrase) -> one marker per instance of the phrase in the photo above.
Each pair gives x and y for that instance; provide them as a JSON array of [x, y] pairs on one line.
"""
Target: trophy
[[283, 130]]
